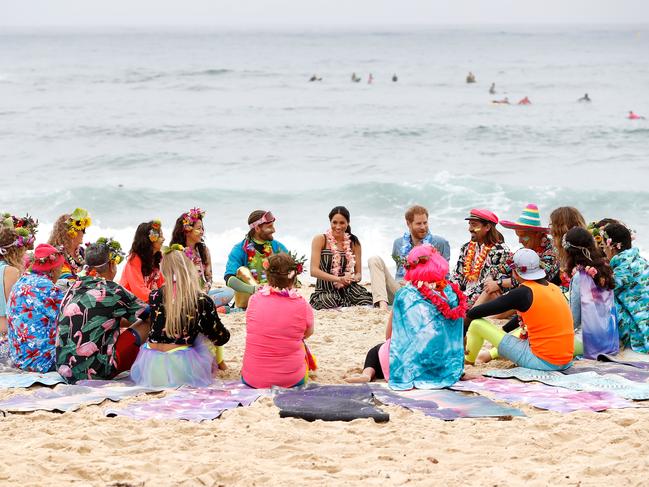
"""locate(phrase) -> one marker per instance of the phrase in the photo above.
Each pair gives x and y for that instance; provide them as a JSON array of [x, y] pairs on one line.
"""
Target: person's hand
[[491, 286]]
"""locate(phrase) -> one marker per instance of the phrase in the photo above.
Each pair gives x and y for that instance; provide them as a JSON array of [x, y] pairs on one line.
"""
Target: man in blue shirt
[[244, 270], [384, 286]]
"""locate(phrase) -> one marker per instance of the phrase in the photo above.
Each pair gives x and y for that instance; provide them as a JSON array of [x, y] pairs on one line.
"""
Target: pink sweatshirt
[[275, 327]]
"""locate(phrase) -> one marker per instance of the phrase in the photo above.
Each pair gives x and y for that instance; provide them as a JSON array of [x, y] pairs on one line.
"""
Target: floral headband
[[155, 233], [171, 248], [567, 245], [191, 217], [414, 263], [24, 236], [78, 221], [293, 271], [115, 252], [53, 257]]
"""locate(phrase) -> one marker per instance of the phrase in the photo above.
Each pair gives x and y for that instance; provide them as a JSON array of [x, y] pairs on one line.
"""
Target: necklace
[[473, 265], [434, 292], [336, 260]]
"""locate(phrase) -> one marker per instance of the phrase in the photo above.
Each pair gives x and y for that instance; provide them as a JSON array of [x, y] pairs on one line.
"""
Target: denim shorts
[[519, 352]]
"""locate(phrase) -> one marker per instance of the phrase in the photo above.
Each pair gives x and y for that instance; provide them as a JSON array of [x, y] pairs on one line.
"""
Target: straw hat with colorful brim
[[530, 219], [528, 265]]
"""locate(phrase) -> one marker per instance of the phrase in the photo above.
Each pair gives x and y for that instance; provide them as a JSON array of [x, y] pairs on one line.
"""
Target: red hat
[[483, 215], [47, 258]]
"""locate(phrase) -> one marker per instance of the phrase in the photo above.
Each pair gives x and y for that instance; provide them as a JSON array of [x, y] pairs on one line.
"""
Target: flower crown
[[191, 217], [419, 260], [596, 233], [53, 257], [155, 232], [25, 229], [293, 271], [78, 221], [115, 252], [171, 248]]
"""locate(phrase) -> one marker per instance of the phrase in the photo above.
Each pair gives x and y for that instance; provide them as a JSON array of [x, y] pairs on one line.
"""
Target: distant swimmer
[[395, 78], [585, 98], [525, 101], [635, 116], [314, 78], [492, 89], [504, 101], [470, 78], [355, 78], [370, 78]]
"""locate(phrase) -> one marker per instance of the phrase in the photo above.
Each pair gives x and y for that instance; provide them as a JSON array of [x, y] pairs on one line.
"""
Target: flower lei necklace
[[472, 265], [336, 260], [435, 294], [76, 263], [255, 260], [267, 290]]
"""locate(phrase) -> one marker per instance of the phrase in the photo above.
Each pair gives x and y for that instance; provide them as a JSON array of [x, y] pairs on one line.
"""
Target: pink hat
[[483, 215], [47, 258]]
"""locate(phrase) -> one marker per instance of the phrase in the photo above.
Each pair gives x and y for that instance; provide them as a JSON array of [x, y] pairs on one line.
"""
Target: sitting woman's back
[[278, 319]]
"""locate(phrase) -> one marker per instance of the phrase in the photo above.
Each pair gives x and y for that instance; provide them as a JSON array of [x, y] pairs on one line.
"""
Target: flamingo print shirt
[[31, 317], [89, 323]]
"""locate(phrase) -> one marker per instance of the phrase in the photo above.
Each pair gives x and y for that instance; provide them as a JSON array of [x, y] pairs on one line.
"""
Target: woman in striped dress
[[336, 264]]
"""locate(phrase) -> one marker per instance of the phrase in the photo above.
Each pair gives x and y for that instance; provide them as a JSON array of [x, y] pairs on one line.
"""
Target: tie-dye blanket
[[583, 381], [628, 357], [13, 378], [329, 403], [66, 397], [543, 396], [193, 404], [602, 368], [444, 404]]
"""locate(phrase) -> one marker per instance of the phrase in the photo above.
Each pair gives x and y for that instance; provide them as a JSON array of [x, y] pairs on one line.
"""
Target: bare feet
[[484, 356], [358, 379], [383, 306], [223, 365]]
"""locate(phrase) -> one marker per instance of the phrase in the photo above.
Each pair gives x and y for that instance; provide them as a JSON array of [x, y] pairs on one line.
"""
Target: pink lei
[[267, 290], [336, 260]]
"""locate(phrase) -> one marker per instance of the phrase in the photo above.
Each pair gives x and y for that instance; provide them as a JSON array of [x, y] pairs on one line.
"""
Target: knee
[[376, 261]]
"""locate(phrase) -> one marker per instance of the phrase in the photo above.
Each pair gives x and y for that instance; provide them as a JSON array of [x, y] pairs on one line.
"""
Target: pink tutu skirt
[[183, 366]]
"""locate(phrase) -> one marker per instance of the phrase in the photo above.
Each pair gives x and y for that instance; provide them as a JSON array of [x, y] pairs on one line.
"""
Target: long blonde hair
[[59, 236], [182, 289], [563, 219], [12, 254]]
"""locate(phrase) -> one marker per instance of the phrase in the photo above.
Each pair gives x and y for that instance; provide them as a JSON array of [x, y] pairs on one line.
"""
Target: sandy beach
[[254, 446]]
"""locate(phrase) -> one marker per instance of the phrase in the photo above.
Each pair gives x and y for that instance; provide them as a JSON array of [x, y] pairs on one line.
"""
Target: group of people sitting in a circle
[[571, 290]]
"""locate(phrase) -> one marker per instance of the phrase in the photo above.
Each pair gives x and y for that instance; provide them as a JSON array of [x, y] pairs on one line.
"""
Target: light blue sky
[[277, 13]]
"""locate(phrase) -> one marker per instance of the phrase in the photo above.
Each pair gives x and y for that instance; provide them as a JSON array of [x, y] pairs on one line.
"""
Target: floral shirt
[[548, 257], [493, 266], [89, 327], [31, 317], [631, 272]]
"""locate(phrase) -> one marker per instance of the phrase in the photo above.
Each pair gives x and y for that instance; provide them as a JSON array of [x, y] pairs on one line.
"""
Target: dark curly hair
[[179, 236], [583, 251], [143, 248], [619, 234]]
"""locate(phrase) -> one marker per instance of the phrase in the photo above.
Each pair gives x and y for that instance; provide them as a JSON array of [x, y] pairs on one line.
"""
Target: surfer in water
[[370, 78], [525, 101], [470, 78], [314, 78], [635, 116], [355, 78], [585, 98], [504, 101], [395, 78], [492, 89]]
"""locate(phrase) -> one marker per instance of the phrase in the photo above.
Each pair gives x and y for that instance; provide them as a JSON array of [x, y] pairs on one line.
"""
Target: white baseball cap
[[527, 265]]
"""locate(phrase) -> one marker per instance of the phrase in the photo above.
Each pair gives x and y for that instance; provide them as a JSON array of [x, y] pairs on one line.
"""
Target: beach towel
[[628, 357], [18, 378], [444, 404], [329, 403], [598, 318], [426, 349], [602, 368], [543, 396], [192, 404], [583, 381], [66, 397]]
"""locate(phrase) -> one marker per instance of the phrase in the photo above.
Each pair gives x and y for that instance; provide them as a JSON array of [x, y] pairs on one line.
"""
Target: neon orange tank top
[[549, 324]]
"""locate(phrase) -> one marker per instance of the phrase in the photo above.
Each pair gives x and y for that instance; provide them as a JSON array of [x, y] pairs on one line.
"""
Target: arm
[[519, 299], [238, 285], [10, 277], [575, 300], [309, 320], [444, 248], [134, 279], [208, 266], [236, 258], [131, 308], [457, 276], [358, 264], [210, 323]]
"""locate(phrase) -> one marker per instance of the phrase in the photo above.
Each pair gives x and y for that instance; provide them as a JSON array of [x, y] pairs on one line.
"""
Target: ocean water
[[138, 124]]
